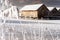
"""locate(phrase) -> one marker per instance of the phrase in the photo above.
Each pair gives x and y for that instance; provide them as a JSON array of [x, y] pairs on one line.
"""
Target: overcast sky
[[24, 2]]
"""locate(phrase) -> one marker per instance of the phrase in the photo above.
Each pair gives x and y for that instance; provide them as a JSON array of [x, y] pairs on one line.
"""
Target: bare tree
[[5, 4]]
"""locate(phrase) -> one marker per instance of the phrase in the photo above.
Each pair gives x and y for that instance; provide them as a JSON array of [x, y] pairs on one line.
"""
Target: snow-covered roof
[[58, 8], [50, 8], [31, 7]]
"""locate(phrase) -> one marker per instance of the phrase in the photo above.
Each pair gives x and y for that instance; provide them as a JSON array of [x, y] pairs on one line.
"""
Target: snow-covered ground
[[13, 29]]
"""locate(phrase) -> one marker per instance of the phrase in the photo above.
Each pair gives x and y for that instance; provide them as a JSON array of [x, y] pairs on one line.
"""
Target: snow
[[15, 31], [50, 8], [31, 7], [58, 8], [33, 31], [11, 12], [33, 21]]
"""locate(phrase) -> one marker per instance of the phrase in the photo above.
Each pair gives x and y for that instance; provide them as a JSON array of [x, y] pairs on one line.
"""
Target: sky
[[20, 3], [24, 2]]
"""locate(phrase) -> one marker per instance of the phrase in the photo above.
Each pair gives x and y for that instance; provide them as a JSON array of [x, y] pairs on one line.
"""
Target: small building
[[54, 13], [35, 11], [49, 12]]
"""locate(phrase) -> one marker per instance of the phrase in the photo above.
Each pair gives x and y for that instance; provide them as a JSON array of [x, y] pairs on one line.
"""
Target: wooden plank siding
[[53, 14], [42, 11], [30, 14]]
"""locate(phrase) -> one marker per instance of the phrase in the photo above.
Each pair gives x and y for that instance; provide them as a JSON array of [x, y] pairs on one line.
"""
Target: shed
[[54, 13], [34, 11], [49, 12]]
